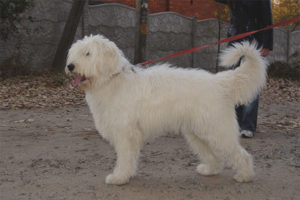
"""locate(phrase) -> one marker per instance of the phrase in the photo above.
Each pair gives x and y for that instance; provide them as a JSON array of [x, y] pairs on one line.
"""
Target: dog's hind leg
[[128, 150], [235, 156], [210, 164], [242, 162]]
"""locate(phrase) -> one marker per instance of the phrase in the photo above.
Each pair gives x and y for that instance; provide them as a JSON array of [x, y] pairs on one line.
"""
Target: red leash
[[236, 37]]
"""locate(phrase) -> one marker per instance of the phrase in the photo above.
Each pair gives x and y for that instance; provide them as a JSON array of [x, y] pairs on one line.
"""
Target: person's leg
[[247, 117]]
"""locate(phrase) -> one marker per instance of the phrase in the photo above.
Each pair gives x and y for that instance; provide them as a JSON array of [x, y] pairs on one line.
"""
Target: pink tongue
[[76, 81]]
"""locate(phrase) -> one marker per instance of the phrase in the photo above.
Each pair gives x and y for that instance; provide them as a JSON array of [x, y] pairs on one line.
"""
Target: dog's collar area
[[123, 69], [115, 75], [132, 69]]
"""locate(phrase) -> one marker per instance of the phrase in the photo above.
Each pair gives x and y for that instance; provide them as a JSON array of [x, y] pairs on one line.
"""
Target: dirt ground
[[55, 153]]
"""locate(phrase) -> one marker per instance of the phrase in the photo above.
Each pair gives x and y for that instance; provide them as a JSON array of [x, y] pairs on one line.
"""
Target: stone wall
[[35, 45]]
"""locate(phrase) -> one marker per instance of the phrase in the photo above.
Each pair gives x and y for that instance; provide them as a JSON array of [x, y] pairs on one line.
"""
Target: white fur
[[130, 105]]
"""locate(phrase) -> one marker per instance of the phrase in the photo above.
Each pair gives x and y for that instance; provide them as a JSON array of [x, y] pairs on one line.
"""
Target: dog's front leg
[[128, 150]]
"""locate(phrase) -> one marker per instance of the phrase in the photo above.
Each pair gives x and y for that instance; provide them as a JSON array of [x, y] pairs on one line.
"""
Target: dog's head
[[93, 59]]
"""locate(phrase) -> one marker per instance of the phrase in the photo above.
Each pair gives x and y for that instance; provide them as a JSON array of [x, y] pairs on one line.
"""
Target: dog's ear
[[110, 54], [110, 58]]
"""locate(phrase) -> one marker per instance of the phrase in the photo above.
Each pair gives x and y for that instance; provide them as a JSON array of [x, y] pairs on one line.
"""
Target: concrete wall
[[280, 46], [294, 47], [116, 22], [206, 31], [169, 33], [35, 45]]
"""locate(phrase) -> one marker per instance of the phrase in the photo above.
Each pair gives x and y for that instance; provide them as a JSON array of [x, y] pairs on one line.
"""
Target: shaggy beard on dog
[[130, 105]]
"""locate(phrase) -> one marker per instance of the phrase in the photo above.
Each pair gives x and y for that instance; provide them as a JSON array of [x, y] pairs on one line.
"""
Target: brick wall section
[[157, 6], [202, 9], [130, 3]]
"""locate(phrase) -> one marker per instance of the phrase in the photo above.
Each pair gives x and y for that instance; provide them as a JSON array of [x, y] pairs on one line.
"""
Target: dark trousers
[[247, 115]]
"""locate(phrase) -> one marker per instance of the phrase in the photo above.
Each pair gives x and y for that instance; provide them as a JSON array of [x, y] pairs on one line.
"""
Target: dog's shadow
[[179, 186]]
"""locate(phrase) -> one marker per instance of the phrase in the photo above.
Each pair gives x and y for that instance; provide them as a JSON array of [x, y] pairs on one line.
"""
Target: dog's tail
[[245, 82]]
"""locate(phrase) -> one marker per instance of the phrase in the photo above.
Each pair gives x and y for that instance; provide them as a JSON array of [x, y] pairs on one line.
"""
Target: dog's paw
[[206, 170], [116, 180], [243, 178]]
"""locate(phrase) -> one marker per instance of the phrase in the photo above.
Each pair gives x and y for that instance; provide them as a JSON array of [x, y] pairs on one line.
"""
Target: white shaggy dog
[[130, 105]]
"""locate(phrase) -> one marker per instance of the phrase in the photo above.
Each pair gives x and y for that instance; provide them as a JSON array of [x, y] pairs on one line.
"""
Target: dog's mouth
[[78, 80]]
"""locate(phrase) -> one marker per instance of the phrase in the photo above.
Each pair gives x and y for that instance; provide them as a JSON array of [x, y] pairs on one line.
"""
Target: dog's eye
[[87, 54]]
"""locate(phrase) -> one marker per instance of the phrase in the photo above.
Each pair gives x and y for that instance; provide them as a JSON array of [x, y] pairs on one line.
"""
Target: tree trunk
[[68, 34]]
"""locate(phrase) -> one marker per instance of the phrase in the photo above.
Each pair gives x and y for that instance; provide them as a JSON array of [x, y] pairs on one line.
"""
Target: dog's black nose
[[71, 67]]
